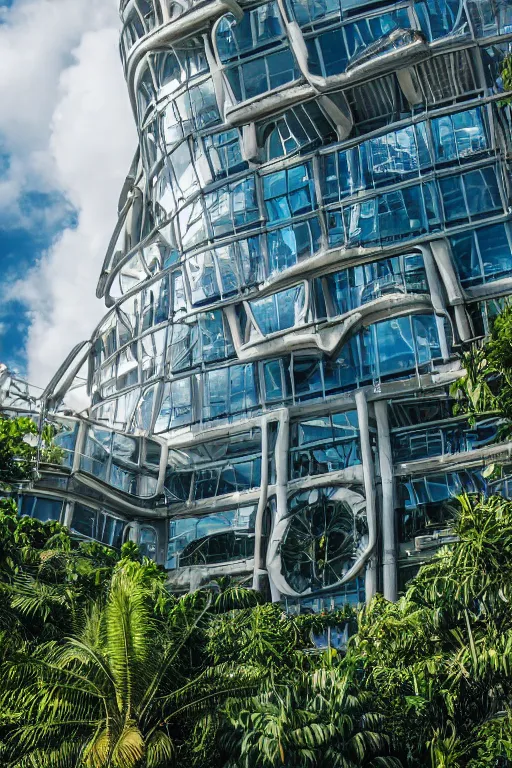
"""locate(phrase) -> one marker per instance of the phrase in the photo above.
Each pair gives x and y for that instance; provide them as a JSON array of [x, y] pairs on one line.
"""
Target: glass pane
[[395, 346], [279, 312], [84, 521]]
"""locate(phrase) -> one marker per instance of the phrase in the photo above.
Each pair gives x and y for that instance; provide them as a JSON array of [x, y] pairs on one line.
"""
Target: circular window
[[323, 537]]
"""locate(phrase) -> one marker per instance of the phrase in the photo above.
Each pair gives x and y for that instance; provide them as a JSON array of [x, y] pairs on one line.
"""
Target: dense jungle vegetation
[[101, 667]]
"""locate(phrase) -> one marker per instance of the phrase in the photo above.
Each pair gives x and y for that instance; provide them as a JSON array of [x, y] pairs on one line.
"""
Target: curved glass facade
[[318, 216]]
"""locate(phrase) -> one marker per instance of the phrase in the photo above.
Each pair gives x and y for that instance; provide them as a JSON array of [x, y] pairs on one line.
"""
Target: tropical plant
[[506, 74], [117, 693], [486, 385], [317, 718], [440, 659], [289, 711], [17, 453], [22, 446]]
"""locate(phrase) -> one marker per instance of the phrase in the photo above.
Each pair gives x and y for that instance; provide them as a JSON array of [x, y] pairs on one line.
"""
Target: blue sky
[[20, 248], [17, 249], [66, 141]]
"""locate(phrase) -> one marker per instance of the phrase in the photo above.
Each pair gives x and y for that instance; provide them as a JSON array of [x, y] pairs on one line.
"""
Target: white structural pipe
[[369, 492], [389, 562], [259, 571], [280, 521]]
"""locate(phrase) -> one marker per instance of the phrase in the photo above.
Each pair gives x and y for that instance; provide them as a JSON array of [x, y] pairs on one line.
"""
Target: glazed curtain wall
[[317, 218]]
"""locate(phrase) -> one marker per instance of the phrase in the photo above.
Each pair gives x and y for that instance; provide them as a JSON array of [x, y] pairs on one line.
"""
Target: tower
[[316, 220]]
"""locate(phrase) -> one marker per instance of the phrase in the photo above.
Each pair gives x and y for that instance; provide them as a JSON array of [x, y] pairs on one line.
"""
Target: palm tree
[[116, 694]]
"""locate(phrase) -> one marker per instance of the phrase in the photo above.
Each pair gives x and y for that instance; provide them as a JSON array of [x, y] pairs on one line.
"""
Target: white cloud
[[68, 128]]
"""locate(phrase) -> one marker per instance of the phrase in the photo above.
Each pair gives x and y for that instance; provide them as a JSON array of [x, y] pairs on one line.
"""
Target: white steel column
[[389, 564], [259, 570], [369, 490]]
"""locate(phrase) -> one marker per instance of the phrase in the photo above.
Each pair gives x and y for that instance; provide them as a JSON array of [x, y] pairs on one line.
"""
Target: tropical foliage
[[100, 666], [506, 73], [17, 452], [440, 659], [486, 386]]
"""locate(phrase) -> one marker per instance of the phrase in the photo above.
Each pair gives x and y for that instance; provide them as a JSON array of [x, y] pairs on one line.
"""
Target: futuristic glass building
[[316, 219]]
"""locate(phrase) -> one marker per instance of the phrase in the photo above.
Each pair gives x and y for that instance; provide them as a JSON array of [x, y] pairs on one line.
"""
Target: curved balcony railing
[[402, 347]]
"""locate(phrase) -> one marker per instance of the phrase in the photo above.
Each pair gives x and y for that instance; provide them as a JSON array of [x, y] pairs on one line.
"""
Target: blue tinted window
[[155, 304], [66, 439], [482, 255], [243, 394], [96, 452], [490, 18], [454, 202], [355, 286], [224, 271], [215, 337], [330, 53], [261, 27], [280, 311], [459, 135], [437, 441], [403, 153], [306, 11], [229, 391], [472, 195], [424, 501], [343, 373], [392, 216], [274, 377], [218, 537], [482, 191], [204, 338], [324, 444], [307, 377], [289, 193], [255, 37], [85, 521], [233, 207], [301, 128], [415, 210], [343, 174], [176, 408], [289, 245], [426, 338], [235, 477], [439, 18], [396, 346], [40, 508], [224, 153]]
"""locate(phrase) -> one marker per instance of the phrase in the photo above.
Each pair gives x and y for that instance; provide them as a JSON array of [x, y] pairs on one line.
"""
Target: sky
[[67, 138]]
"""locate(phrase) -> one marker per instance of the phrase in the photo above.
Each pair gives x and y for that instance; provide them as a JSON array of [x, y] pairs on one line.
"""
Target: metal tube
[[279, 522], [259, 571], [389, 564], [369, 489]]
